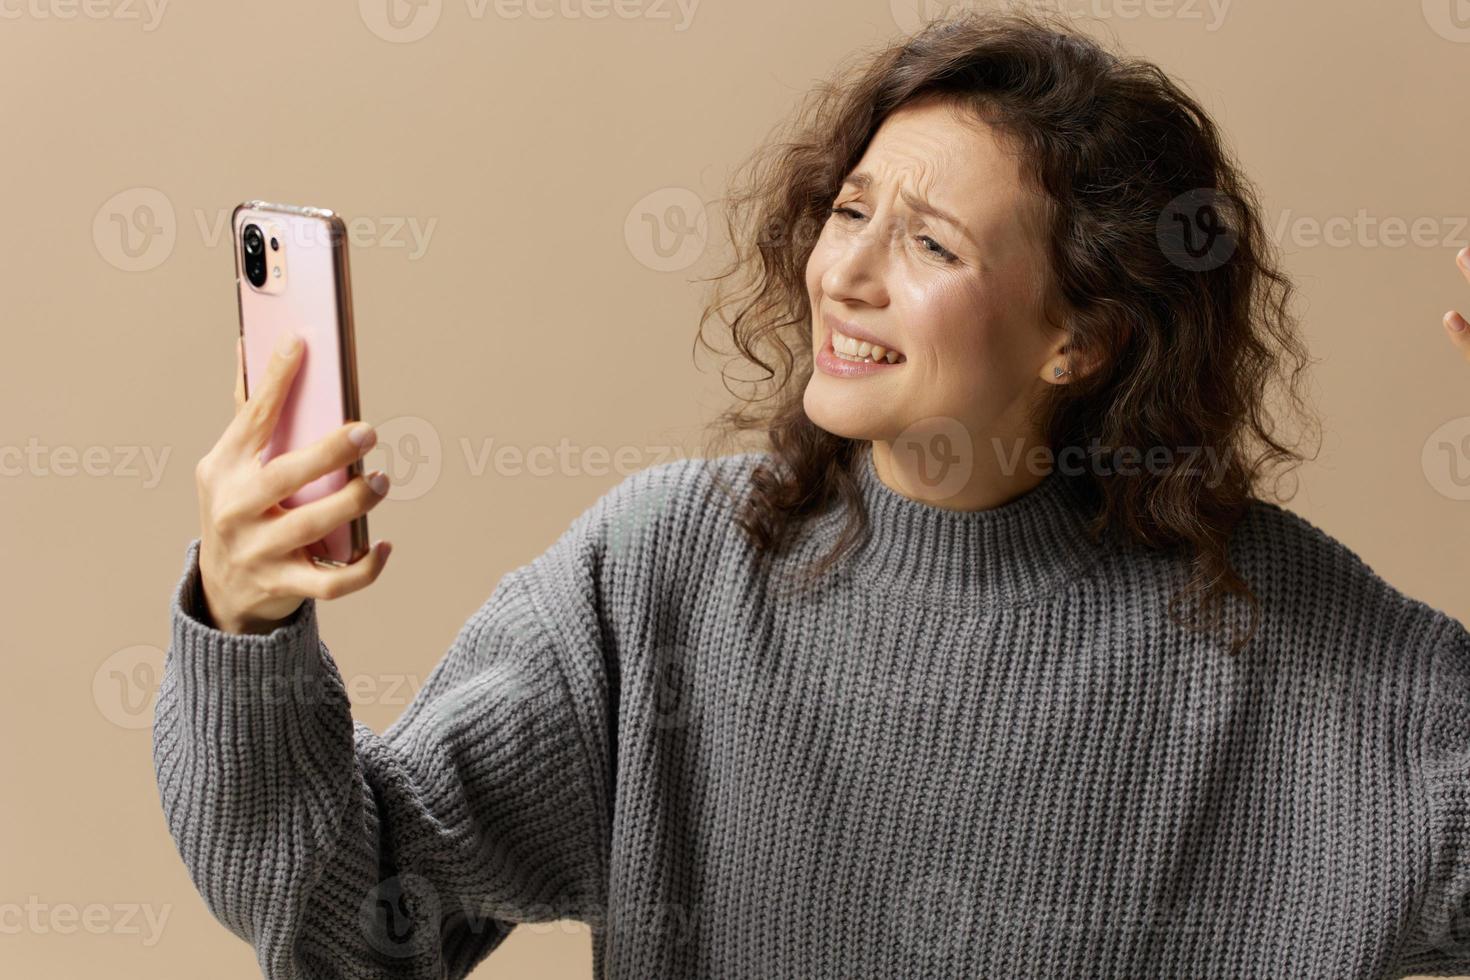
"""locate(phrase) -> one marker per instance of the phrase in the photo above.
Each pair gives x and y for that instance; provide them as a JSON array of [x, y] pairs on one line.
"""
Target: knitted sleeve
[[1439, 935], [338, 852]]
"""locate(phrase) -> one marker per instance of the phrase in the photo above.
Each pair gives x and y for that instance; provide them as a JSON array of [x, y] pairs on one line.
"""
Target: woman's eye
[[929, 244], [938, 249]]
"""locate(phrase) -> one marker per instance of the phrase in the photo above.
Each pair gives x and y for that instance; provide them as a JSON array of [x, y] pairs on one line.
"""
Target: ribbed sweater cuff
[[244, 680]]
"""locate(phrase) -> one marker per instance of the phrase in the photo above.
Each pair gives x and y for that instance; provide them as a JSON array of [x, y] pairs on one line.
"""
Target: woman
[[912, 691]]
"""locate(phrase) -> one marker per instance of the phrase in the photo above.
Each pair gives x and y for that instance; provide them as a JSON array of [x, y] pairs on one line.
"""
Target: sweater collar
[[1022, 550]]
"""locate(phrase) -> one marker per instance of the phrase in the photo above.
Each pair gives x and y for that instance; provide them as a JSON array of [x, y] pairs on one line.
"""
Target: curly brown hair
[[1182, 347]]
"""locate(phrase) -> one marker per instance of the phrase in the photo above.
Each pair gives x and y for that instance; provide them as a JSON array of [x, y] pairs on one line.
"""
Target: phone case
[[313, 298]]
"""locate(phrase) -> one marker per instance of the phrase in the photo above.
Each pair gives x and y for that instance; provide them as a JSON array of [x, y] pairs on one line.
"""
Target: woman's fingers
[[306, 578], [1459, 332], [256, 421], [289, 472], [298, 527], [1457, 326], [254, 561]]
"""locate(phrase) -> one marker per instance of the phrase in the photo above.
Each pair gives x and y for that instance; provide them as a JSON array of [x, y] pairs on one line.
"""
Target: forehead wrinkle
[[862, 180]]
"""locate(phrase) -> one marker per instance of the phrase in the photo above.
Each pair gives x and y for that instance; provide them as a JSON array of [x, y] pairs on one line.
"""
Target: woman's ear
[[1066, 363], [1059, 368]]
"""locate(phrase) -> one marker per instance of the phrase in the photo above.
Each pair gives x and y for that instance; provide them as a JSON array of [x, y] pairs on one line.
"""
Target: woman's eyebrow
[[862, 180]]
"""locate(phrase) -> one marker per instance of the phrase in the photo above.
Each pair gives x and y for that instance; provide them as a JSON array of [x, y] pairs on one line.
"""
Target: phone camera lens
[[253, 244]]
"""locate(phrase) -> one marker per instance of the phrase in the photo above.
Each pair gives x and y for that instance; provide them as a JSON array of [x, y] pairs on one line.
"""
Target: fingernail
[[385, 548], [377, 480], [362, 435], [1464, 256], [286, 343], [1455, 323]]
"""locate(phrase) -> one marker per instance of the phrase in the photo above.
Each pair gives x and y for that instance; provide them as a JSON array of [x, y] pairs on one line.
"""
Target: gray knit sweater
[[980, 749]]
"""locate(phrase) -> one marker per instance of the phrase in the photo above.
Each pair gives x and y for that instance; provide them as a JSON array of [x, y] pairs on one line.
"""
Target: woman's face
[[957, 296]]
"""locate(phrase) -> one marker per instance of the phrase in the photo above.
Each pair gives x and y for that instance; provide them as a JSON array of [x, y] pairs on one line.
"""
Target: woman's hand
[[252, 552], [1456, 324]]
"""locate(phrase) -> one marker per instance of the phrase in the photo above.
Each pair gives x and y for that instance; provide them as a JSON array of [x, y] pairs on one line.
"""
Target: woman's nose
[[859, 269]]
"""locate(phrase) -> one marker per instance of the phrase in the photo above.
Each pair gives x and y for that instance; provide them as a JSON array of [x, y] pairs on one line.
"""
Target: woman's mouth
[[843, 356], [861, 352]]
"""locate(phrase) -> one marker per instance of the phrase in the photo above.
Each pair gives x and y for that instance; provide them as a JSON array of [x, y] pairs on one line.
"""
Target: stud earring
[[1058, 372]]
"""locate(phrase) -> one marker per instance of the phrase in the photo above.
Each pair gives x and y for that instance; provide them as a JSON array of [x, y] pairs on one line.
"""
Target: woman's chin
[[846, 414]]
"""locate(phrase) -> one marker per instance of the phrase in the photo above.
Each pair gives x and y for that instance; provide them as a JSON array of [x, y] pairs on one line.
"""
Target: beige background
[[533, 154]]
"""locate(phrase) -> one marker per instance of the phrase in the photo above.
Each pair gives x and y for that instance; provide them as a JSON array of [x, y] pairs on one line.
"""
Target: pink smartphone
[[291, 274]]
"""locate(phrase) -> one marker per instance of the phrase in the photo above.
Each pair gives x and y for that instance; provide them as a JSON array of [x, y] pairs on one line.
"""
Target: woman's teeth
[[852, 349]]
